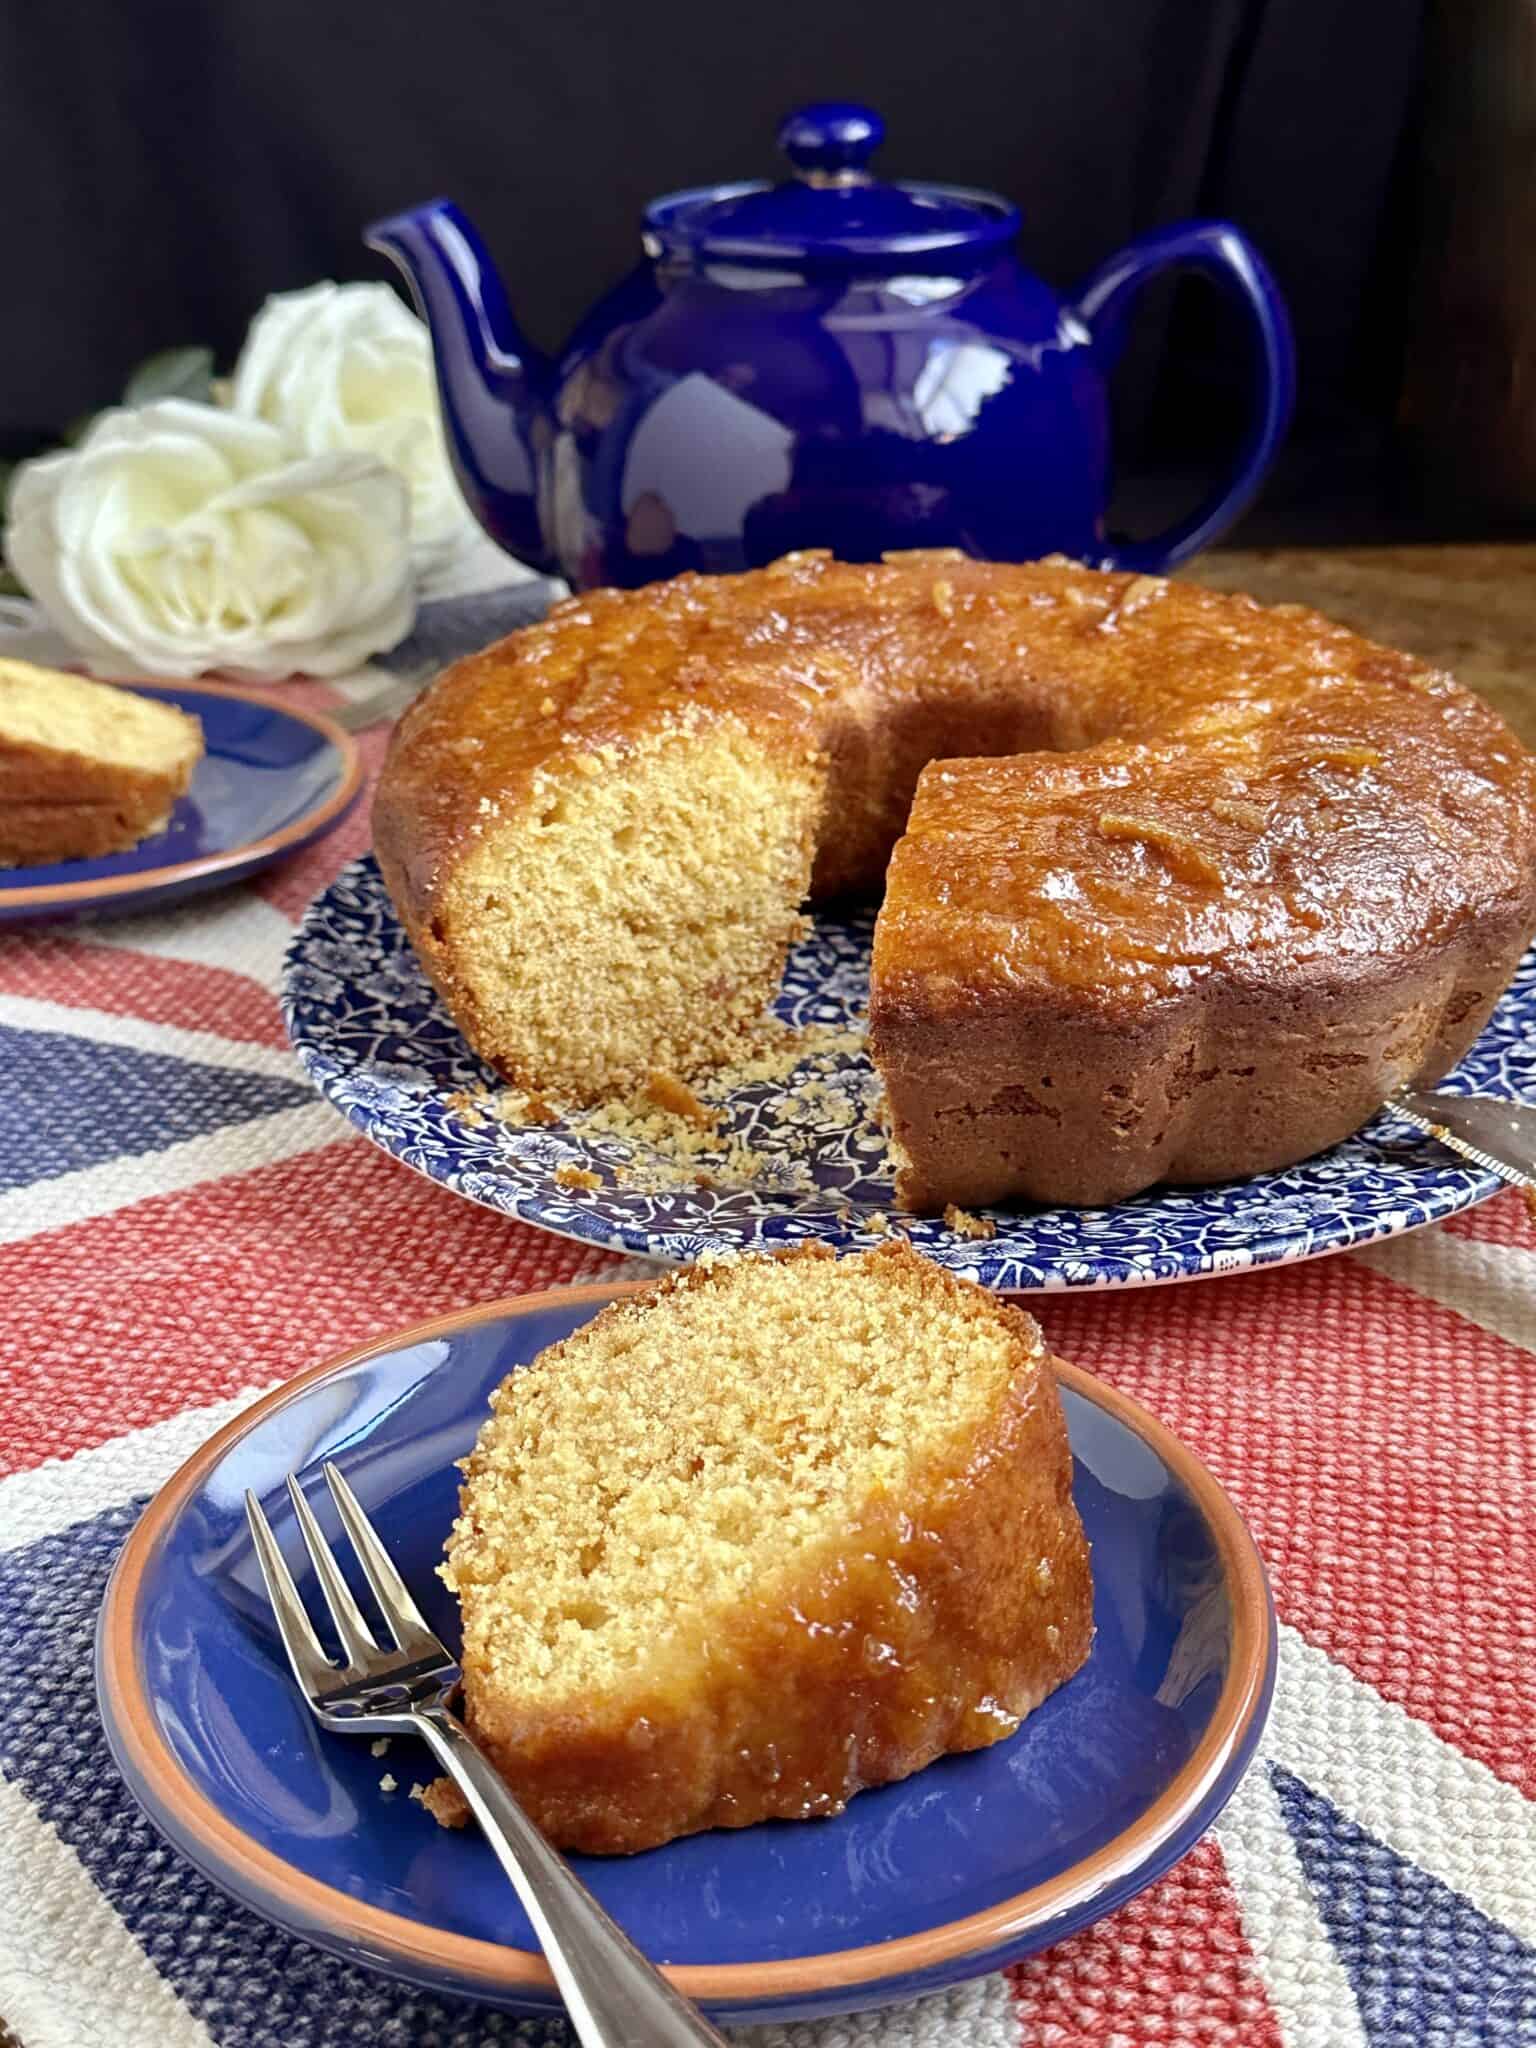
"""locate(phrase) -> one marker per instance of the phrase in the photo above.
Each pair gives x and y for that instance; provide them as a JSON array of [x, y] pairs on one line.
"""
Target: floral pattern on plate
[[374, 1037]]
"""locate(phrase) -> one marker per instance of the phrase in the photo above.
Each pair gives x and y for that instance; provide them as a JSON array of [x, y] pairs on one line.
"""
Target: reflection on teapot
[[829, 362]]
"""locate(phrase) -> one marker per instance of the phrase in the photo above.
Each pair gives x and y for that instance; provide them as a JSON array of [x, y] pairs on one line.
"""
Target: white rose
[[347, 366], [179, 538]]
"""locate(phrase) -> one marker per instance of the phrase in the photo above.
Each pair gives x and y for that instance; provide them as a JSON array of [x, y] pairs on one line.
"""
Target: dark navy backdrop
[[164, 168]]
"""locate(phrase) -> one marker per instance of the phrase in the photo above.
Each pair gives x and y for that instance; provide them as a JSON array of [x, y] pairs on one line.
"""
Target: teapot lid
[[832, 211]]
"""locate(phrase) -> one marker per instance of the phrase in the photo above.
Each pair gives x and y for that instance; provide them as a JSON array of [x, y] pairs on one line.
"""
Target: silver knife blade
[[1498, 1136]]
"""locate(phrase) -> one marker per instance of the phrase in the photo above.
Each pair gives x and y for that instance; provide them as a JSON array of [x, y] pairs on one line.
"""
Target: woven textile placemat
[[182, 1223]]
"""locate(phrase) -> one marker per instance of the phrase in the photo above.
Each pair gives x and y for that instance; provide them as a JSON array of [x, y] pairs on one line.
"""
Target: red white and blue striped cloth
[[182, 1224]]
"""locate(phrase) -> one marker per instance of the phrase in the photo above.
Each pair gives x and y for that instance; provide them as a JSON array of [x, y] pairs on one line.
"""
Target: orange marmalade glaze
[[1131, 779]]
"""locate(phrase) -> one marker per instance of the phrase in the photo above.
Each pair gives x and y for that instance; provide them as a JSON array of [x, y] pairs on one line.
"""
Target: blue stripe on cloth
[[251, 1985], [1428, 1969], [71, 1103]]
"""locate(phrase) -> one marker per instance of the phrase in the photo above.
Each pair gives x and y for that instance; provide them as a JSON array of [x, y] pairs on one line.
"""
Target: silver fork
[[615, 1997]]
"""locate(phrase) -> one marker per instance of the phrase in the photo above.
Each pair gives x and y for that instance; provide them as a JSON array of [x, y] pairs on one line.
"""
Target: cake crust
[[1187, 888], [1091, 1109], [933, 1622]]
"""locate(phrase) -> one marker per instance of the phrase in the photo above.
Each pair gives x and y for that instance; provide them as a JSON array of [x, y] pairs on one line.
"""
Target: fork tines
[[361, 1651]]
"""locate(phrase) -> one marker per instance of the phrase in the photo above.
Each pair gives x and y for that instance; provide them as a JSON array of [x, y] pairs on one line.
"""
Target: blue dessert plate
[[271, 781], [374, 1037], [967, 1866]]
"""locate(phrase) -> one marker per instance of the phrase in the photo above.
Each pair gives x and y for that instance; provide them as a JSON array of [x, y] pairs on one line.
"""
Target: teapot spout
[[491, 383]]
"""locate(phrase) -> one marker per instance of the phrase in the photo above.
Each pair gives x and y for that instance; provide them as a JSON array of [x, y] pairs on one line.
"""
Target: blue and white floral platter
[[376, 1040]]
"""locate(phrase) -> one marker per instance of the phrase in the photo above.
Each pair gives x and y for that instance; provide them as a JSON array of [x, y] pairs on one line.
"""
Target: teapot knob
[[831, 142]]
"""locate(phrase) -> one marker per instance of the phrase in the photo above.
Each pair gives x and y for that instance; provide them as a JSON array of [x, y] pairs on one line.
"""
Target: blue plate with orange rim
[[971, 1864], [272, 780]]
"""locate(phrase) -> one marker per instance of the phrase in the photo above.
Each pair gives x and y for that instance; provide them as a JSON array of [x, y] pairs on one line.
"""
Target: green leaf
[[174, 373]]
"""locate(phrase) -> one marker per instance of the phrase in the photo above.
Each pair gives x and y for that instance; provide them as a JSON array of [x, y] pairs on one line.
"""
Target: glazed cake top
[[1195, 778]]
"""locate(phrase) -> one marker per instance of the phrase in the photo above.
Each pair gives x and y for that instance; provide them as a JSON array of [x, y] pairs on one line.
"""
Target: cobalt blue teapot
[[830, 362]]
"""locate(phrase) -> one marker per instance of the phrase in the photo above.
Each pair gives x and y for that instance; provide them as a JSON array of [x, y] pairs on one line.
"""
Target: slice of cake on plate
[[768, 1533], [86, 768]]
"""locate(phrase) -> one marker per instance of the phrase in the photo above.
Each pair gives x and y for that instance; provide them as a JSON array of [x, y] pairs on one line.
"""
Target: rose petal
[[180, 538], [349, 367]]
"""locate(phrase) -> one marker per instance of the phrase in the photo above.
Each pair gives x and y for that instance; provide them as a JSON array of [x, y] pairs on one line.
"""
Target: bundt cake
[[1189, 886], [760, 1536], [85, 768]]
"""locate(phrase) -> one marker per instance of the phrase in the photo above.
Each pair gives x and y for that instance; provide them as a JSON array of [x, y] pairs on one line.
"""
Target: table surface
[[1471, 609], [183, 1224]]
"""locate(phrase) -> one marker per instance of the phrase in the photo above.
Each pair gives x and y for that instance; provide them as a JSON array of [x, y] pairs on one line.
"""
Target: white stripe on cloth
[[1492, 1285], [1415, 1793], [53, 1496], [71, 1975], [1308, 1986], [113, 1028], [118, 1183], [239, 932]]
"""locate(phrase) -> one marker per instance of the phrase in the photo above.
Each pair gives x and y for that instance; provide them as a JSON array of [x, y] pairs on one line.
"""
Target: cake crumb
[[677, 1145], [644, 1123], [577, 1177], [446, 1803], [522, 1106], [465, 1105], [379, 1748], [782, 1049], [944, 598], [674, 1134], [389, 1782], [677, 1099], [964, 1224], [547, 708]]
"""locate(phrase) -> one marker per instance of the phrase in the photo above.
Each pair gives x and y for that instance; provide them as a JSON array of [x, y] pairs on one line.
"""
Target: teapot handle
[[1218, 251]]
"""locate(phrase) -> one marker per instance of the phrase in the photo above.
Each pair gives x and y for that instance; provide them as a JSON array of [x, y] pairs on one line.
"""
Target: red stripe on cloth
[[290, 886], [1379, 1445], [1506, 1220], [59, 970], [1174, 1966], [182, 1299]]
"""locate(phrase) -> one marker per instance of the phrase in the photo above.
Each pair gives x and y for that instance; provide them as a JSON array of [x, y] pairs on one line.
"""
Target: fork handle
[[615, 1996]]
